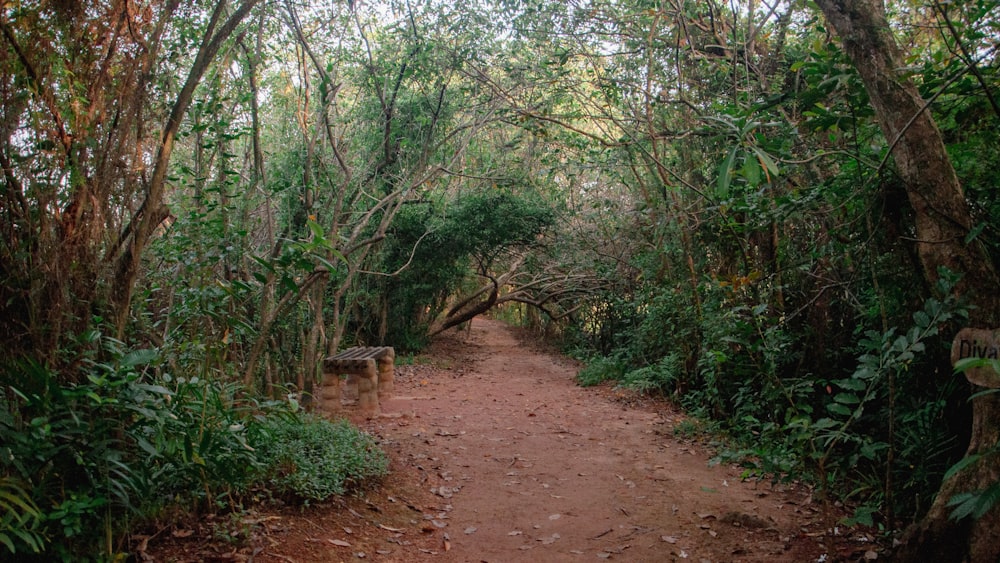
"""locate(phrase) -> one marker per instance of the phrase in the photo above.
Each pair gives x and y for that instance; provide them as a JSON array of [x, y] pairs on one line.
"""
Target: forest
[[776, 213]]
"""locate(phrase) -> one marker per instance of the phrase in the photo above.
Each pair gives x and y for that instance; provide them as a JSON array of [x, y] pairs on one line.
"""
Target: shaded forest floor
[[497, 455]]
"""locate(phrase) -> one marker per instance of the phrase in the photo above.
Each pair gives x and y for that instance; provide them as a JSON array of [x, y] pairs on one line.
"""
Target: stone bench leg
[[368, 389], [386, 375], [329, 399]]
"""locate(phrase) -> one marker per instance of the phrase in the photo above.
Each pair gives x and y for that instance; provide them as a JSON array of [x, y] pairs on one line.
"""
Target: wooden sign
[[978, 343]]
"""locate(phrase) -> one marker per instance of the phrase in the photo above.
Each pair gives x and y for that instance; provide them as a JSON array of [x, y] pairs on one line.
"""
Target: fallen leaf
[[669, 539], [182, 533], [470, 530], [393, 530], [339, 543]]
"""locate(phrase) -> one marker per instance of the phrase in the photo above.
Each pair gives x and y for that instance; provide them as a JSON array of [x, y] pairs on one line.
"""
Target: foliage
[[20, 518], [885, 364], [310, 458], [975, 503], [82, 464], [661, 376], [438, 250], [599, 370], [696, 197], [769, 246]]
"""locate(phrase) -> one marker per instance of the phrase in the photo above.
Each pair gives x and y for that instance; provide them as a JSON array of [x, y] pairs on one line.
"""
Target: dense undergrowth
[[85, 465], [873, 432]]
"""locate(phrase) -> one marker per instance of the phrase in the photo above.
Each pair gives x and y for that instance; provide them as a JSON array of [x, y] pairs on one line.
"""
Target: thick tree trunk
[[942, 223]]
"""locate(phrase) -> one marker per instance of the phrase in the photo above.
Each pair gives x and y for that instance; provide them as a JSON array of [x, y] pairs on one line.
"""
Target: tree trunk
[[943, 222], [153, 210]]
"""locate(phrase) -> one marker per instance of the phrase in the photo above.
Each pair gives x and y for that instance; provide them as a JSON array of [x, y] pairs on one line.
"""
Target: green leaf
[[317, 230], [825, 423], [265, 263], [288, 284], [975, 232], [974, 504], [768, 163], [985, 392], [900, 344], [851, 384], [965, 504], [837, 408], [751, 171], [139, 357], [865, 372], [847, 398], [962, 464], [726, 175], [965, 364], [157, 389], [145, 445]]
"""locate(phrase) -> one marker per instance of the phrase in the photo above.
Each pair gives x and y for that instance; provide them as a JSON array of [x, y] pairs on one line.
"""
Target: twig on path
[[602, 534]]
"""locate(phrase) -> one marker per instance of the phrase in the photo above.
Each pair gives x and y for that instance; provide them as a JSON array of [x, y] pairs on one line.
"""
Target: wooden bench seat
[[371, 367]]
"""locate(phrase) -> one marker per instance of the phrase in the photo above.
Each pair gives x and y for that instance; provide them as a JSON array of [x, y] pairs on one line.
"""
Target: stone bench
[[371, 367]]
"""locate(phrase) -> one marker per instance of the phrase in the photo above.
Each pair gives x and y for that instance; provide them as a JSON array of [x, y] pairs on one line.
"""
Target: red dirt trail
[[498, 456]]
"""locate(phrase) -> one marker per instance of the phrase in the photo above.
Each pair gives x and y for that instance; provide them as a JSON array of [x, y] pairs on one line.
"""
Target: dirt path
[[498, 456], [531, 467]]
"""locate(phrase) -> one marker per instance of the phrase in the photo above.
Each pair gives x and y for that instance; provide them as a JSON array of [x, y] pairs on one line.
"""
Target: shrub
[[307, 457], [599, 370], [660, 377], [82, 464]]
